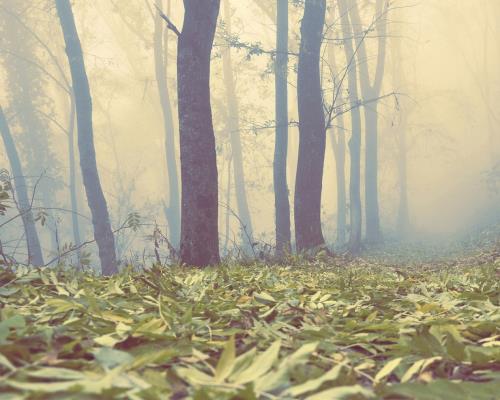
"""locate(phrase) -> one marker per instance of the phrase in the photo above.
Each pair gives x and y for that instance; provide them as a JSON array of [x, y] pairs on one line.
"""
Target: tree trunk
[[97, 203], [355, 141], [72, 176], [35, 255], [403, 212], [199, 215], [172, 210], [312, 130], [371, 91], [228, 208], [401, 125], [338, 145], [235, 139], [281, 200]]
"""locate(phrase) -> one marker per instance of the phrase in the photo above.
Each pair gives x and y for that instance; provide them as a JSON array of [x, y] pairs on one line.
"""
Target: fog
[[441, 85]]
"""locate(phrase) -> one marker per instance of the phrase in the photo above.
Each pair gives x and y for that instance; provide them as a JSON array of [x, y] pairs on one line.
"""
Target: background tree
[[97, 203], [233, 124], [282, 203], [172, 209], [371, 91], [355, 141], [25, 206]]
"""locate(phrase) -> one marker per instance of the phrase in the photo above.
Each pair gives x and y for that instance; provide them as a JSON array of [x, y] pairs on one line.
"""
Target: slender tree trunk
[[235, 138], [228, 206], [338, 147], [355, 141], [35, 255], [72, 176], [172, 210], [199, 215], [312, 130], [371, 91], [373, 233], [97, 203], [401, 125], [403, 211], [281, 199]]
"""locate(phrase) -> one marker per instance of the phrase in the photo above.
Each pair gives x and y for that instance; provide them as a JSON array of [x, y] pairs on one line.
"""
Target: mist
[[440, 89]]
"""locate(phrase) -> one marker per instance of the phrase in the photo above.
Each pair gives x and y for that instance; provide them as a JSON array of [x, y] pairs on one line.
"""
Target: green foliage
[[311, 332]]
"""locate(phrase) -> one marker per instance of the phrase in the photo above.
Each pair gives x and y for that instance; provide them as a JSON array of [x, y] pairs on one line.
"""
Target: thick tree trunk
[[97, 203], [234, 133], [199, 221], [355, 141], [72, 176], [371, 91], [172, 210], [35, 256], [281, 199], [312, 130]]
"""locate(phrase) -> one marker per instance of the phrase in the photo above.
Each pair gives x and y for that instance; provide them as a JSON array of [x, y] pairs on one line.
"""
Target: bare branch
[[170, 24]]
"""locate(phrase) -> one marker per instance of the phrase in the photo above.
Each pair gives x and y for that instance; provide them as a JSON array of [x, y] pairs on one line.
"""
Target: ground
[[324, 329]]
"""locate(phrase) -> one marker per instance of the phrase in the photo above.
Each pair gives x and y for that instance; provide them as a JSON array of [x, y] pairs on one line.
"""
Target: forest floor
[[375, 327]]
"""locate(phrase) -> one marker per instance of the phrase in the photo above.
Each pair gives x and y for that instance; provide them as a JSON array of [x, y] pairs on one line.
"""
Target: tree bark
[[355, 141], [199, 215], [234, 134], [371, 91], [35, 255], [281, 193], [172, 210], [103, 233], [312, 130]]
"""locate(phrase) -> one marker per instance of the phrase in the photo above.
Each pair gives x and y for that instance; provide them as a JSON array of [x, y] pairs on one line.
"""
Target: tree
[[355, 141], [72, 175], [371, 91], [103, 233], [337, 137], [35, 255], [199, 211], [403, 108], [234, 133], [172, 210], [26, 79], [281, 200], [312, 131]]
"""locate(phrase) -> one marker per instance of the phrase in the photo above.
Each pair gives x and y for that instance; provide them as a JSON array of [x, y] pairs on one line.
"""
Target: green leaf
[[261, 364], [110, 358], [264, 298], [62, 374], [343, 393], [388, 368], [6, 362], [226, 361], [314, 384]]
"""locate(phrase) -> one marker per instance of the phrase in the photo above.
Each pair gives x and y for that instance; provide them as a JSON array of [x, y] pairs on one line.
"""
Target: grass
[[316, 331]]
